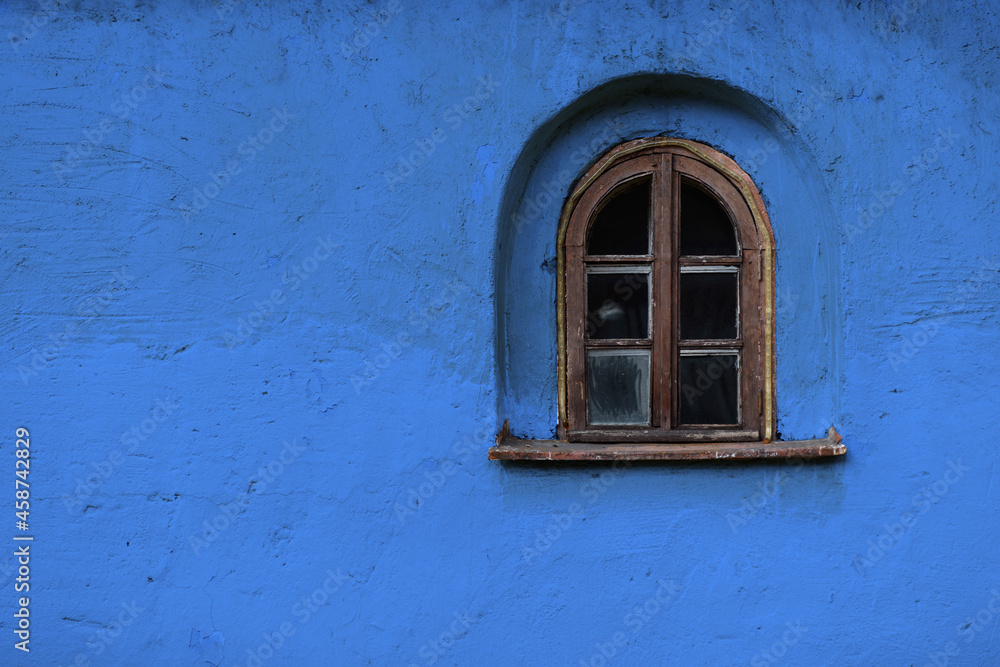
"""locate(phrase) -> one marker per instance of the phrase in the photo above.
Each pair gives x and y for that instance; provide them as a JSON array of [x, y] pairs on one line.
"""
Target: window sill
[[509, 448]]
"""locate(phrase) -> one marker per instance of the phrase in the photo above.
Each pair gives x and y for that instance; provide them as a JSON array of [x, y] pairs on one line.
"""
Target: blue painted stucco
[[274, 274]]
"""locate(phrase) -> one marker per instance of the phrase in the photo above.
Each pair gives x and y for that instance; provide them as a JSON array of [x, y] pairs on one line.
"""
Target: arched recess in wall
[[757, 137]]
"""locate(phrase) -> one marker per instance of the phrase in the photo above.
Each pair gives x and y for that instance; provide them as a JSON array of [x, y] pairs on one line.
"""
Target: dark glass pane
[[709, 389], [708, 305], [618, 387], [622, 226], [705, 226], [617, 305]]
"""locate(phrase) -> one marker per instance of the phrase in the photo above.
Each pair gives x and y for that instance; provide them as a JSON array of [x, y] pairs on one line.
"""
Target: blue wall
[[274, 275]]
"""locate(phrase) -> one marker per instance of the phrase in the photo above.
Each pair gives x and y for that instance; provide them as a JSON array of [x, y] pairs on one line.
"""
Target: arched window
[[665, 300]]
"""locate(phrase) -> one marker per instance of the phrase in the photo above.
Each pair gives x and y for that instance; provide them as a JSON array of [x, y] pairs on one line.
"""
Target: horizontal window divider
[[619, 268], [700, 343], [646, 434], [616, 342], [510, 448], [617, 259], [709, 268], [722, 260], [707, 352]]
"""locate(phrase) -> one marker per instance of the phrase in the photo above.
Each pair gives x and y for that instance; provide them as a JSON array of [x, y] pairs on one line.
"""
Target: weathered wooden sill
[[509, 448]]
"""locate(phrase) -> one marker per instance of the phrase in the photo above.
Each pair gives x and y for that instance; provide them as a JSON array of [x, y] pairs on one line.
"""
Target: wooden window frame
[[666, 161], [754, 437]]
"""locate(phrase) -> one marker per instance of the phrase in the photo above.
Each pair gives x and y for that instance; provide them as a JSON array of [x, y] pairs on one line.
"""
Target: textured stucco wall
[[265, 308]]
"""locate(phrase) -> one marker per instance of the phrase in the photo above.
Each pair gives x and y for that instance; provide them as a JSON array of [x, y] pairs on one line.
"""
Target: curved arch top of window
[[706, 226], [621, 225]]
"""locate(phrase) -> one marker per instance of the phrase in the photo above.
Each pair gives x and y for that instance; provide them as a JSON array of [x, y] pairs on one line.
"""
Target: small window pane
[[622, 226], [618, 387], [708, 305], [705, 226], [617, 305], [709, 389]]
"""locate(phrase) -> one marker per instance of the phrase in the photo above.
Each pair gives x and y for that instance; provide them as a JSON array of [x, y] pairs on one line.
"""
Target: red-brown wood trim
[[664, 274], [509, 448]]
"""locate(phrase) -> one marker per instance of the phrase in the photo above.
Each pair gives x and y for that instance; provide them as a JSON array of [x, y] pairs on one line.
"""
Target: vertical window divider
[[664, 200]]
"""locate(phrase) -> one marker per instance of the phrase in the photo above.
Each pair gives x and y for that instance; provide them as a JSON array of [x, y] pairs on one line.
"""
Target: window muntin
[[706, 330]]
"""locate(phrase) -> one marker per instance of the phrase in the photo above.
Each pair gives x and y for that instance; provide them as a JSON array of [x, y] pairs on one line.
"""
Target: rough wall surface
[[266, 304]]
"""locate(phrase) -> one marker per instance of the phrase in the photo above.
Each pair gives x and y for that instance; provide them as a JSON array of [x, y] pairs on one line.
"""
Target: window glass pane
[[708, 305], [618, 387], [709, 389], [622, 226], [617, 305], [705, 226]]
